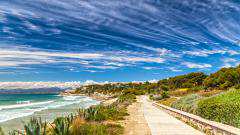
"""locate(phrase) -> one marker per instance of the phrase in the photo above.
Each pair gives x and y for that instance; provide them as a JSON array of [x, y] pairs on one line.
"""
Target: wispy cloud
[[100, 35], [229, 62], [175, 69], [196, 65], [29, 56], [149, 68], [205, 53], [160, 51]]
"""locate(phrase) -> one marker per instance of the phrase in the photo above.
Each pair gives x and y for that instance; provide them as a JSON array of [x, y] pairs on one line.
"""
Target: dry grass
[[167, 101], [209, 93], [180, 92]]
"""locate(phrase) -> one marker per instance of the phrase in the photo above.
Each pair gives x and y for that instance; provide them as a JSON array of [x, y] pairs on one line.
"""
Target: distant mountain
[[52, 90]]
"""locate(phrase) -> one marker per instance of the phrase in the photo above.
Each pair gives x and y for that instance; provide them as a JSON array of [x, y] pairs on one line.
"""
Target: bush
[[97, 129], [1, 131], [222, 108], [168, 101], [101, 113], [209, 93], [94, 113], [61, 125], [155, 97], [164, 88], [179, 92], [126, 97], [187, 103], [35, 127], [165, 94]]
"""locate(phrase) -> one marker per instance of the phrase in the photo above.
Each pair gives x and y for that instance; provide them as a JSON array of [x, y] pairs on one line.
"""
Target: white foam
[[70, 97], [21, 110], [24, 105], [26, 108], [24, 102]]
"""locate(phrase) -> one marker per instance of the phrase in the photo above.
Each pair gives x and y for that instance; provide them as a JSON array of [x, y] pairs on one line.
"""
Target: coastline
[[103, 99], [49, 115]]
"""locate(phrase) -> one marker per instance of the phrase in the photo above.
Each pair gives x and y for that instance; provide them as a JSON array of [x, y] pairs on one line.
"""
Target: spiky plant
[[35, 127], [61, 125], [1, 131], [16, 132]]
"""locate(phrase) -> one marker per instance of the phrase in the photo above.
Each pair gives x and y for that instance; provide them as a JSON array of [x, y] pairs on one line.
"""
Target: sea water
[[14, 106]]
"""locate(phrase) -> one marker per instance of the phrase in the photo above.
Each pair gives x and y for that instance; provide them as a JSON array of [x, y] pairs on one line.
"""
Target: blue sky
[[120, 40]]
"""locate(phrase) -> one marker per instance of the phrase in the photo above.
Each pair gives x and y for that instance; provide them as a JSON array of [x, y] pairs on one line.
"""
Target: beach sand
[[46, 115]]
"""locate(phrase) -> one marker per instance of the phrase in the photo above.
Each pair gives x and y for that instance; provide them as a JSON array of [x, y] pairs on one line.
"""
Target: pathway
[[161, 123]]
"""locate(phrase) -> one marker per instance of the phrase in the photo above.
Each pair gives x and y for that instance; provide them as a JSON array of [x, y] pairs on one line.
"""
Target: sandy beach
[[46, 115]]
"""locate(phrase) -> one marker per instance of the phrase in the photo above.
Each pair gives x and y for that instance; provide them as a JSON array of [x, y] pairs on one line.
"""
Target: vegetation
[[102, 113], [187, 103], [91, 121], [184, 81], [223, 108], [200, 96], [167, 101], [209, 93], [1, 131], [223, 79], [97, 129]]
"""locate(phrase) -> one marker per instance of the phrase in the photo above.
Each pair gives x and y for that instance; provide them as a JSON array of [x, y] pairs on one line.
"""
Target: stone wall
[[204, 125]]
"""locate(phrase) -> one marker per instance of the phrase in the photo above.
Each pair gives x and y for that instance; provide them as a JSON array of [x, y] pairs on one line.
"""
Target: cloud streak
[[173, 36], [196, 65], [29, 56]]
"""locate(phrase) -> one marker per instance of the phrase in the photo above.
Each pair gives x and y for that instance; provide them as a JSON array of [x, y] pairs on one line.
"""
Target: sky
[[116, 40]]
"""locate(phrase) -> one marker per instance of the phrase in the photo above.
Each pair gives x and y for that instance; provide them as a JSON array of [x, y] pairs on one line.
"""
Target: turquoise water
[[19, 105]]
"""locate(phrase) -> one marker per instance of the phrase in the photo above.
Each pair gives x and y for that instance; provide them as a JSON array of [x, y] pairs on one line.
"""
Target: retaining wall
[[207, 126]]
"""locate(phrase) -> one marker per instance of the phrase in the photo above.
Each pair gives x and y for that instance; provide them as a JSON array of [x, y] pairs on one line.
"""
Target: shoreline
[[103, 99], [50, 114]]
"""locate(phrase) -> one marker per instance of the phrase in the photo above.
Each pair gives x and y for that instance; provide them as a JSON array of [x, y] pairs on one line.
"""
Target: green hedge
[[224, 108], [187, 103]]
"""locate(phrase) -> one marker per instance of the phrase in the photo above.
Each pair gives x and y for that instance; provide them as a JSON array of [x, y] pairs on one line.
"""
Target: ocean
[[14, 106]]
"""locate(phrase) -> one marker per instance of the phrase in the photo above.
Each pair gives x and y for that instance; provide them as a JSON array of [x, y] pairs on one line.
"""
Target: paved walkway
[[135, 123], [161, 123]]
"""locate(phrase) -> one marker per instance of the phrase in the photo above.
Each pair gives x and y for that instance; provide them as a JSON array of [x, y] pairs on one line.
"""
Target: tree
[[164, 88]]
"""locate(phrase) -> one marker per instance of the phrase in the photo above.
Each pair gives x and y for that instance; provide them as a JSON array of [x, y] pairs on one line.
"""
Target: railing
[[207, 126]]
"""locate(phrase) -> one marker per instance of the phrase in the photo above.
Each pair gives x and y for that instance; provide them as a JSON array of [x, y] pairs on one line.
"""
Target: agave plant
[[1, 131], [16, 132], [95, 113], [61, 126], [35, 127]]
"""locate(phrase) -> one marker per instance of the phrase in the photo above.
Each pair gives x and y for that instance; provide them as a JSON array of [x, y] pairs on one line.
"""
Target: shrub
[[1, 131], [186, 91], [187, 103], [164, 88], [209, 93], [165, 94], [196, 89], [101, 113], [168, 101], [98, 129], [155, 97], [180, 92], [126, 97], [35, 127], [93, 113], [222, 108], [61, 125]]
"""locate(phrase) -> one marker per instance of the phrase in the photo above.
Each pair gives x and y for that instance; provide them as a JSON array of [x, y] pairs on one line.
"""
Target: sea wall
[[204, 125]]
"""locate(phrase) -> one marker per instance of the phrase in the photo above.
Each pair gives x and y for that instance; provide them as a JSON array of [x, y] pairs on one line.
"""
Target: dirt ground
[[135, 123]]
